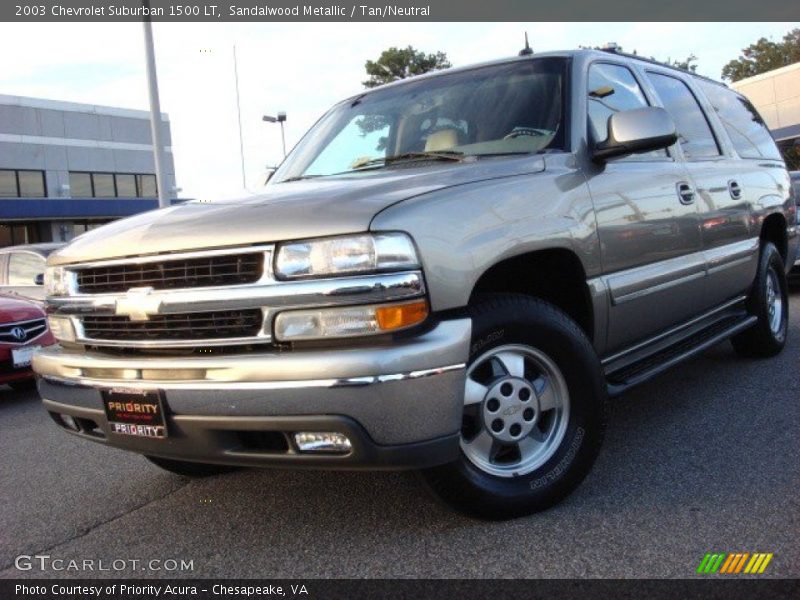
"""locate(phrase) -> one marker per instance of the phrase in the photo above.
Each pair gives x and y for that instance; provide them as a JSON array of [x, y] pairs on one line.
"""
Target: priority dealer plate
[[134, 412]]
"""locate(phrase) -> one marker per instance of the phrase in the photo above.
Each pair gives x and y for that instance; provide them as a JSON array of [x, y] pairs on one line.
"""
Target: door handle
[[685, 193], [735, 189]]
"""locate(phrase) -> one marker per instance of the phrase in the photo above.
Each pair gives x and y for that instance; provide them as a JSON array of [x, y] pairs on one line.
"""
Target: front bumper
[[399, 402]]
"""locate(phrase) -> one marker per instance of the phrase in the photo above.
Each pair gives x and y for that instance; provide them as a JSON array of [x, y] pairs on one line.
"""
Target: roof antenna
[[527, 49]]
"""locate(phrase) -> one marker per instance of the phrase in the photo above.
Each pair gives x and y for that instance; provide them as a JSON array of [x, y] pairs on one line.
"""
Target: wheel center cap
[[510, 409]]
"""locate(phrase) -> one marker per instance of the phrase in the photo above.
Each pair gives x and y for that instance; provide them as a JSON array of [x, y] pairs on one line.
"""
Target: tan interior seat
[[444, 139]]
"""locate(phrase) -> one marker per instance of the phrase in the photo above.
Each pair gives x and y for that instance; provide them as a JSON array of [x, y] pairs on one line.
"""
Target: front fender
[[462, 231]]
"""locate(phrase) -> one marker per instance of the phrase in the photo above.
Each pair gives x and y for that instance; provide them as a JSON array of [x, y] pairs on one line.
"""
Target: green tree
[[688, 64], [399, 63], [764, 56]]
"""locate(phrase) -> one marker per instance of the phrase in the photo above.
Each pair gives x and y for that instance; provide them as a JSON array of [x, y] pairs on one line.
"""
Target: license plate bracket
[[135, 412]]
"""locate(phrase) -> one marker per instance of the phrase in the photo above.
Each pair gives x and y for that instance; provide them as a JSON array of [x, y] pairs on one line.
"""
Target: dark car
[[21, 268], [795, 177]]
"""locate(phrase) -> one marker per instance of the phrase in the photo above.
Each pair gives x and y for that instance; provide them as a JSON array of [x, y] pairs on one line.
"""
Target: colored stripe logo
[[734, 563]]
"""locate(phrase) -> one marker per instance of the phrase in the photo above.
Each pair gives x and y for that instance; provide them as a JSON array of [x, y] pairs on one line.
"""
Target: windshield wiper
[[298, 178], [387, 160], [510, 153]]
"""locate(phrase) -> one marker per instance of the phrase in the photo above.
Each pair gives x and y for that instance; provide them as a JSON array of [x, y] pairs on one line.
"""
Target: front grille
[[21, 332], [223, 324], [225, 269]]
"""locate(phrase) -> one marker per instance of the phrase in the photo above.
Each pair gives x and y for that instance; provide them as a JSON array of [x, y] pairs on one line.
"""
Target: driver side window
[[612, 89]]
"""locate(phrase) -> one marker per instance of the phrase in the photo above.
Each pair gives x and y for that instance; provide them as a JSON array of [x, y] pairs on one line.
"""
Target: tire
[[23, 385], [768, 295], [189, 469], [557, 359]]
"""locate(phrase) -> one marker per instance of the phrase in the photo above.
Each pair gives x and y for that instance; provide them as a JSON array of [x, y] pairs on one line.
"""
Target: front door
[[647, 220]]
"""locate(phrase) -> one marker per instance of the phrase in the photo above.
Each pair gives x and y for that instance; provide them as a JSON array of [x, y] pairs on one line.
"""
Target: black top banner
[[378, 10]]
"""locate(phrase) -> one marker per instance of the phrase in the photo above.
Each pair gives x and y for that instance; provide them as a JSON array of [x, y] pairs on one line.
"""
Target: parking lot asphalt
[[705, 458]]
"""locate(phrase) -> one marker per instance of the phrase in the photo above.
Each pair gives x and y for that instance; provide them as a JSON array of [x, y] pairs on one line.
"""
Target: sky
[[300, 68]]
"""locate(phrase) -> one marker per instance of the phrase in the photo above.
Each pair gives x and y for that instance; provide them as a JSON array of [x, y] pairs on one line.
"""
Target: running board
[[623, 379]]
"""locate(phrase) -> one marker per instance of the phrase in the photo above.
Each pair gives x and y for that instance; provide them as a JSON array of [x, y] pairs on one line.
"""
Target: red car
[[23, 329]]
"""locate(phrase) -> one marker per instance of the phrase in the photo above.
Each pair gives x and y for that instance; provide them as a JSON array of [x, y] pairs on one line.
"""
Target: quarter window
[[694, 133]]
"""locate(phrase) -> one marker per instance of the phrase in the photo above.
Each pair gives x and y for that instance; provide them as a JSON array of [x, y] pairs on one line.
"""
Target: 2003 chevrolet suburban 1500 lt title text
[[450, 273]]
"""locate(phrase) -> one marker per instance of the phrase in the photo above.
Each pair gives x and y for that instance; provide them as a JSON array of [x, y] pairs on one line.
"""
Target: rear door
[[647, 221], [723, 187]]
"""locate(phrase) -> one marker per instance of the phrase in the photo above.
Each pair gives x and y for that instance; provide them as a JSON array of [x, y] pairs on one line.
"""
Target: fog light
[[322, 441], [61, 328], [70, 422]]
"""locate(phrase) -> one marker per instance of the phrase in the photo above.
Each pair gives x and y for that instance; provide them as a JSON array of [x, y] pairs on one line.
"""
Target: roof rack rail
[[612, 48]]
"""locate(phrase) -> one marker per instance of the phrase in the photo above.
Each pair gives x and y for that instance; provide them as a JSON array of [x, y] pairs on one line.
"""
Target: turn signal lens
[[401, 315], [349, 321]]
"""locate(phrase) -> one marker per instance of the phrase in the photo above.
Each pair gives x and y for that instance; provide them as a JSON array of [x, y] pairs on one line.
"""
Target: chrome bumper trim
[[444, 346], [252, 385]]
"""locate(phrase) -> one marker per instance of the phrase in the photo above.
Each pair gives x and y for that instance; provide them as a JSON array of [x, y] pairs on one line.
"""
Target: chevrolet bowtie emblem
[[137, 304]]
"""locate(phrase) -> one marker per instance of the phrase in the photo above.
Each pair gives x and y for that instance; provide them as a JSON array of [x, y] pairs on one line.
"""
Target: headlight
[[56, 281], [348, 321], [345, 255]]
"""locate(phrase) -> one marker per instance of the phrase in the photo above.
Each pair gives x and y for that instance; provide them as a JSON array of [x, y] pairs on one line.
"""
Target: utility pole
[[281, 119], [239, 115], [155, 111]]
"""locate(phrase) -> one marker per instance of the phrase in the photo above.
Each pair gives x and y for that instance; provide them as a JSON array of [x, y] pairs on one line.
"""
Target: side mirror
[[636, 131], [39, 279]]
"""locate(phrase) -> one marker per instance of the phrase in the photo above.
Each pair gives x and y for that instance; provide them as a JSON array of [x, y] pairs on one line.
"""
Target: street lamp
[[280, 118]]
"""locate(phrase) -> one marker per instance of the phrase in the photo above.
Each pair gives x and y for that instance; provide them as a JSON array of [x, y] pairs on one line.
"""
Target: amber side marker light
[[401, 315]]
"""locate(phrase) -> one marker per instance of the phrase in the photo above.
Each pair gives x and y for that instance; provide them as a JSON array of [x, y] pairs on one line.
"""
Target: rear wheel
[[189, 469], [769, 301], [534, 411]]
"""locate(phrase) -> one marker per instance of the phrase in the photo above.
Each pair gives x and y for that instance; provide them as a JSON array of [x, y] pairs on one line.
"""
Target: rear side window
[[746, 128], [694, 133]]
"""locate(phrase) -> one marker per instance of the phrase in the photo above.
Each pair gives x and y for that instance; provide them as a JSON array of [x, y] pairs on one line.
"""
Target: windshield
[[511, 108]]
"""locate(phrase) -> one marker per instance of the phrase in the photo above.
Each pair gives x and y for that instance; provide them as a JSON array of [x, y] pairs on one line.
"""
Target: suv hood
[[295, 210]]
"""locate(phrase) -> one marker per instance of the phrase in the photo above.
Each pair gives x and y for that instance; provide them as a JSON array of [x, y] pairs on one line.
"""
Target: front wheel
[[534, 411], [769, 302]]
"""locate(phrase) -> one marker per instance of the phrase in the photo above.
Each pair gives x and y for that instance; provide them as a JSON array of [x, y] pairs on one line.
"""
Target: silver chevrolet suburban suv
[[450, 273]]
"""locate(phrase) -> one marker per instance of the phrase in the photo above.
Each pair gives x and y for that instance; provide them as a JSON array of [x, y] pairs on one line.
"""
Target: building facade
[[67, 167], [776, 95]]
